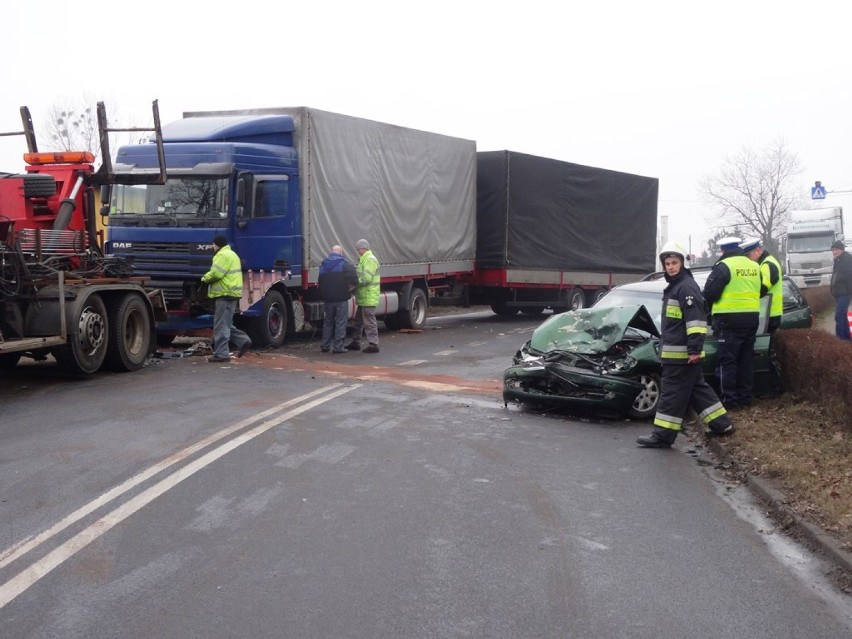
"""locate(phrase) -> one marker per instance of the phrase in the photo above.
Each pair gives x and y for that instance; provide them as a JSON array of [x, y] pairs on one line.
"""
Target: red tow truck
[[59, 294]]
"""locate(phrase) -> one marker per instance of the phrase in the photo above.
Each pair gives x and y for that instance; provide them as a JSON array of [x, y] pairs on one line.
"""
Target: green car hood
[[590, 330]]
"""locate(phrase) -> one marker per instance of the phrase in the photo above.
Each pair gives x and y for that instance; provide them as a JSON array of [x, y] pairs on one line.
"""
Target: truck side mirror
[[105, 196], [243, 196]]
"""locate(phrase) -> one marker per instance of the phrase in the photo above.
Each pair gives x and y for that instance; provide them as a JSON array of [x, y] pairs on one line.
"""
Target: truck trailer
[[516, 232], [59, 295], [553, 234], [810, 234], [285, 185]]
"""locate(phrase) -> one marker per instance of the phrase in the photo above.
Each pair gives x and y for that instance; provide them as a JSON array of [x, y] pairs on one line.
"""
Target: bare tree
[[754, 192], [72, 125]]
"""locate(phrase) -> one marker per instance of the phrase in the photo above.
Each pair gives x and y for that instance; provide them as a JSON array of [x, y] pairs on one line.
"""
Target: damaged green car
[[605, 358], [595, 357]]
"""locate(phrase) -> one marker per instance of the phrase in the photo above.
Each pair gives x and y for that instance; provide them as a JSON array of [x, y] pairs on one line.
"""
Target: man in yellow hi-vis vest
[[733, 291], [770, 284], [225, 288]]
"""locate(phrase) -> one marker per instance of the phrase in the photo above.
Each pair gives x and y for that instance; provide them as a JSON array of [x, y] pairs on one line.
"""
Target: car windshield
[[652, 301]]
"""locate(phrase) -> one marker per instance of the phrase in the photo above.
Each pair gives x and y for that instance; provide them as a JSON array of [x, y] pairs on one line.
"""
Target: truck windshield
[[180, 201], [809, 243]]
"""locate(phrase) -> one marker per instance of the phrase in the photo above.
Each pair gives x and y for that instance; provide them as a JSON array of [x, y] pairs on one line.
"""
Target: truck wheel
[[646, 402], [414, 316], [270, 328], [594, 296], [38, 184], [576, 299], [129, 334], [501, 308], [86, 350], [9, 360]]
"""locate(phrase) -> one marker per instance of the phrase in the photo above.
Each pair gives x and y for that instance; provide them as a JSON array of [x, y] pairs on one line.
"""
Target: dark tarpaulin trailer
[[543, 214]]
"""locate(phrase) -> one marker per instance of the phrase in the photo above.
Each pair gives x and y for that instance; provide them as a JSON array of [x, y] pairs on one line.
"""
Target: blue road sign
[[818, 192]]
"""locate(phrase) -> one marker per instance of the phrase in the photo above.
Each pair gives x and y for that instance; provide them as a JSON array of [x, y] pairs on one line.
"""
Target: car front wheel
[[646, 402]]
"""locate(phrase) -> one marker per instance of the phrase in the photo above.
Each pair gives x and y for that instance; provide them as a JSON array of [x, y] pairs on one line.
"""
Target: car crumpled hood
[[591, 330]]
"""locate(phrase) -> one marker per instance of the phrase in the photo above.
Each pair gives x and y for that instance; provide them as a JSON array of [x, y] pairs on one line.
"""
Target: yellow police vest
[[742, 293], [776, 290]]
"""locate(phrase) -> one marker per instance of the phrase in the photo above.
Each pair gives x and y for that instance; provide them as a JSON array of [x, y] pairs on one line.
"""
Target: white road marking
[[33, 573], [449, 351], [413, 362]]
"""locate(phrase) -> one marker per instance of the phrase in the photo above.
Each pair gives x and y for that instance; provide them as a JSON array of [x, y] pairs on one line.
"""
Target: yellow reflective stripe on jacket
[[776, 290], [742, 293], [696, 327], [669, 351]]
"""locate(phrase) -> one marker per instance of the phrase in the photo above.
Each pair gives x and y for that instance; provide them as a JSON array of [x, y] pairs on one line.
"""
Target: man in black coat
[[337, 278], [841, 288]]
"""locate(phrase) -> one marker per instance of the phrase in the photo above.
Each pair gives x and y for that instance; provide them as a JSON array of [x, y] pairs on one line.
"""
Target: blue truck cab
[[285, 185], [235, 175]]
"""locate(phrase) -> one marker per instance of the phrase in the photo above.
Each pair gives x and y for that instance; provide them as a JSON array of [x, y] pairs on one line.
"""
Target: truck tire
[[594, 296], [576, 299], [270, 329], [501, 308], [38, 184], [129, 334], [87, 346], [415, 313]]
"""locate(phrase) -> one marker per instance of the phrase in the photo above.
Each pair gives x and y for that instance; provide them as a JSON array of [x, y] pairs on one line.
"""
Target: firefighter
[[683, 328], [733, 291], [770, 283]]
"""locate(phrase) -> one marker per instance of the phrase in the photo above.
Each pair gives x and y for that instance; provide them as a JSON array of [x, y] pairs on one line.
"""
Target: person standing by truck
[[367, 298], [225, 288], [337, 278], [770, 284], [733, 291], [683, 329], [841, 288]]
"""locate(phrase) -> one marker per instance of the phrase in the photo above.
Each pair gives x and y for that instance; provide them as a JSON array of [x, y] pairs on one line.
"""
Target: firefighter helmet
[[672, 248]]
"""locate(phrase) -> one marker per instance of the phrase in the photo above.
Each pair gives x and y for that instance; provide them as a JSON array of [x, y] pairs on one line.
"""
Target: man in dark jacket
[[733, 290], [683, 328], [337, 278], [841, 288]]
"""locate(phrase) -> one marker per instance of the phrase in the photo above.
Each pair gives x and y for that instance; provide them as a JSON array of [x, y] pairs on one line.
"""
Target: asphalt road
[[294, 494]]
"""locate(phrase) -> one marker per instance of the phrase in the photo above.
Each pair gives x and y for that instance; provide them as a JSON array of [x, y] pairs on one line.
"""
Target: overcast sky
[[662, 89]]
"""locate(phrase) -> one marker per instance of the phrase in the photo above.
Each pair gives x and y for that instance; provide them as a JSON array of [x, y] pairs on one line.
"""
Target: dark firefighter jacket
[[683, 321]]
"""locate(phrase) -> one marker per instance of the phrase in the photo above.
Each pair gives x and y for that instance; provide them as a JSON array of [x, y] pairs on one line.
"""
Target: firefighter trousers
[[683, 387]]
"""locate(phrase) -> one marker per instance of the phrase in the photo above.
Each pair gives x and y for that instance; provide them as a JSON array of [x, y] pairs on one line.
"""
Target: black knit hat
[[220, 241], [838, 244]]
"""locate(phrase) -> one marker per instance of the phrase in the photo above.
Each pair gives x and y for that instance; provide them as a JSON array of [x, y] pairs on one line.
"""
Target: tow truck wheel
[[270, 329], [87, 346], [129, 334]]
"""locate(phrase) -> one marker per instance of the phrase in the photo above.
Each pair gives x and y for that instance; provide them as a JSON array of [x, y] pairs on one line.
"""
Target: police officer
[[733, 291], [683, 328], [770, 284]]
